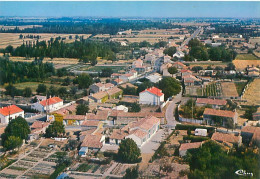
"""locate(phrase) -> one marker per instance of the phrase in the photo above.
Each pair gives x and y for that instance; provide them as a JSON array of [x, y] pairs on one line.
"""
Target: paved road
[[191, 37], [152, 144], [171, 122]]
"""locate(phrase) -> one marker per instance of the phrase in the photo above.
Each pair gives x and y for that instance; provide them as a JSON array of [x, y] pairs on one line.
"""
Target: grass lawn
[[246, 57], [240, 86], [99, 68], [34, 85]]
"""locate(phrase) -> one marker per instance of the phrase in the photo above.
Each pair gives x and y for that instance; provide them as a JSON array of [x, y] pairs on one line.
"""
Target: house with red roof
[[188, 146], [142, 130], [152, 96], [51, 104], [222, 116], [10, 112], [215, 103]]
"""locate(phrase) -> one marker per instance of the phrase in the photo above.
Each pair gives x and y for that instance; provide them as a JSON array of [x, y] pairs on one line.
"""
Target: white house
[[10, 112], [141, 131], [153, 96], [50, 104], [178, 54]]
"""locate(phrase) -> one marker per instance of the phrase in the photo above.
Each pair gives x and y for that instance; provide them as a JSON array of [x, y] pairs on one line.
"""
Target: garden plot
[[120, 169], [212, 89]]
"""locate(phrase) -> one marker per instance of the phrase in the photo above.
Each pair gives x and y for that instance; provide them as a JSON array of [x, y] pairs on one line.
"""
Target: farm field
[[34, 85], [14, 40], [252, 94], [212, 89], [242, 64], [204, 64], [229, 89], [22, 27], [246, 57], [55, 61]]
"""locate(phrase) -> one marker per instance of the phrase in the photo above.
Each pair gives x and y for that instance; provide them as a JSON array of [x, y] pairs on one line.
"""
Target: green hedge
[[195, 138]]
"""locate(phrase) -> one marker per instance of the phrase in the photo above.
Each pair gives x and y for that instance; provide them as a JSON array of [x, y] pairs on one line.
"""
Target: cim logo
[[243, 173]]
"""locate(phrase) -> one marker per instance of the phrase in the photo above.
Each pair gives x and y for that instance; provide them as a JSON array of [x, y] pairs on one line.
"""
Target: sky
[[236, 9]]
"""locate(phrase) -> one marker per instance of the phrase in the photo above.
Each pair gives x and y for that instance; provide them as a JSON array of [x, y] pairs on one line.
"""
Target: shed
[[83, 151]]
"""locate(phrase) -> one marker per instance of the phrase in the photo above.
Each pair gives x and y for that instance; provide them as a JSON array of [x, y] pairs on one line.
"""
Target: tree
[[230, 66], [170, 51], [172, 70], [62, 91], [196, 69], [12, 142], [128, 151], [27, 92], [42, 88], [169, 86], [135, 107], [55, 129], [66, 81], [129, 91], [17, 127], [82, 109], [106, 72], [84, 80], [9, 49], [249, 112], [131, 173], [12, 91], [52, 91]]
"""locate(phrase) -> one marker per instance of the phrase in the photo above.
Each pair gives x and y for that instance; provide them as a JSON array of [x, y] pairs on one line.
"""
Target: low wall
[[190, 120]]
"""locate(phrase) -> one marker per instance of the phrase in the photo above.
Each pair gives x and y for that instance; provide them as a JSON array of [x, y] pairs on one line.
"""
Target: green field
[[246, 57], [240, 86], [34, 85]]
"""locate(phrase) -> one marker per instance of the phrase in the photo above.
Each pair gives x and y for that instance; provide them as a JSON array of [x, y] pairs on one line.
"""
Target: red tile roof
[[74, 117], [51, 101], [90, 123], [92, 141], [154, 91], [187, 146], [231, 138], [222, 113], [147, 123], [8, 110], [250, 129], [39, 124], [139, 133], [221, 102], [118, 134]]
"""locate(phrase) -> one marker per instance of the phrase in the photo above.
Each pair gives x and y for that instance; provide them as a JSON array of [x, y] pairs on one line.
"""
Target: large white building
[[152, 96], [10, 112], [50, 104]]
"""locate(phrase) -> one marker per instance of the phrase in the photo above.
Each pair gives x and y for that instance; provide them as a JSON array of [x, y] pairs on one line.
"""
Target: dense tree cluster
[[16, 131], [14, 72], [169, 86], [82, 109], [201, 52], [87, 26], [56, 129], [86, 50], [128, 151], [212, 161]]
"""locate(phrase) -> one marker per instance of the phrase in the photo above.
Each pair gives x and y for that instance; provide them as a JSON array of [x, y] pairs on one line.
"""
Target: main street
[[170, 111]]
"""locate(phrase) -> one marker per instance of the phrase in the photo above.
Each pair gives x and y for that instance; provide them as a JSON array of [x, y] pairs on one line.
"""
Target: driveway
[[171, 122], [152, 144]]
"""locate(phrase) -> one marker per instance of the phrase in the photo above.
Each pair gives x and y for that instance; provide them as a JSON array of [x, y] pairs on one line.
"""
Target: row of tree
[[14, 72]]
